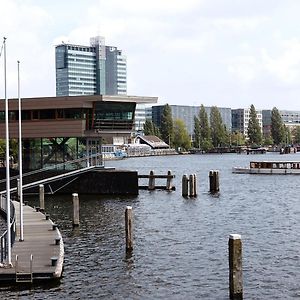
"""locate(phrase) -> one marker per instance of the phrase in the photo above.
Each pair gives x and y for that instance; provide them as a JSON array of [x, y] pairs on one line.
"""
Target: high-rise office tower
[[89, 70]]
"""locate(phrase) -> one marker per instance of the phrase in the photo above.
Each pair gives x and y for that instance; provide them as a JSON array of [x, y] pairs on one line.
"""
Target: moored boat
[[270, 167]]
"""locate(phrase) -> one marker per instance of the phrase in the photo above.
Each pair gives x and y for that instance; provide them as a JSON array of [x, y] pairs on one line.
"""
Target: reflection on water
[[180, 245]]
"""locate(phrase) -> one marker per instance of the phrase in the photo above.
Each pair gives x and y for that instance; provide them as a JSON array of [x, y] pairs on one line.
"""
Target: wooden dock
[[40, 256]]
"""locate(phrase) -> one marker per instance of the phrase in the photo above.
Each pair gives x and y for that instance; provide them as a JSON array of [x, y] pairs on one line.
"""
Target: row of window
[[70, 113]]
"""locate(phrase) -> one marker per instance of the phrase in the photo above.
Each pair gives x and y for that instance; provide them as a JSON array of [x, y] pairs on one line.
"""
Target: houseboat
[[270, 167]]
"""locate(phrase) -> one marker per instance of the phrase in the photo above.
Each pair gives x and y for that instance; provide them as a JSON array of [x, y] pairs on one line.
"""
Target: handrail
[[3, 237], [57, 166]]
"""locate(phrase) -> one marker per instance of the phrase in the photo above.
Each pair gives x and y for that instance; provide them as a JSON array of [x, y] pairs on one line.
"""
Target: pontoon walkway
[[40, 255]]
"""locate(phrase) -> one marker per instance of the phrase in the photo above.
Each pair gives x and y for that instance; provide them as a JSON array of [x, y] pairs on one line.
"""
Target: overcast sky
[[229, 53]]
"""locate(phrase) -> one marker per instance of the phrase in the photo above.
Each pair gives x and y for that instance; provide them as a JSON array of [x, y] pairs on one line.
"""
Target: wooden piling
[[195, 184], [151, 185], [185, 187], [42, 196], [75, 209], [191, 186], [128, 229], [214, 181], [235, 267], [169, 181]]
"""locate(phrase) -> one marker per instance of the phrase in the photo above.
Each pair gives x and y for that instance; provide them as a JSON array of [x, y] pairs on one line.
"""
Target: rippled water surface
[[180, 245]]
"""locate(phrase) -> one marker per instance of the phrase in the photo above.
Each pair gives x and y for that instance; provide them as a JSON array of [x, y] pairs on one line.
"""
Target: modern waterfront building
[[290, 118], [96, 69], [187, 114], [240, 120], [57, 129]]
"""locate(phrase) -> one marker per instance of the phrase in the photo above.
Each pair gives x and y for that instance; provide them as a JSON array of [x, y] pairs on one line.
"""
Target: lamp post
[[7, 162], [20, 188]]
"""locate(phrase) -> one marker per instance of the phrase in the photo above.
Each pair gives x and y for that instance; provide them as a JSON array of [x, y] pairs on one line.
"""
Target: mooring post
[[75, 209], [195, 184], [214, 181], [169, 181], [235, 267], [151, 185], [185, 187], [42, 196], [192, 186], [128, 228]]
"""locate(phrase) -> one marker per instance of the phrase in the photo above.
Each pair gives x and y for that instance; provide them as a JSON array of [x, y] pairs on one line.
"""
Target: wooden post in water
[[185, 186], [195, 184], [235, 267], [42, 196], [128, 228], [151, 185], [75, 209], [214, 181], [169, 181], [192, 186]]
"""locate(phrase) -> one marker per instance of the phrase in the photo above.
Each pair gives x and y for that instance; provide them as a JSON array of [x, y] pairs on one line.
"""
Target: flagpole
[[7, 162], [20, 187]]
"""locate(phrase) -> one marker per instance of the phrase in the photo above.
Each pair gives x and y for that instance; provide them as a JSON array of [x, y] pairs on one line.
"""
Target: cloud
[[245, 68], [286, 65]]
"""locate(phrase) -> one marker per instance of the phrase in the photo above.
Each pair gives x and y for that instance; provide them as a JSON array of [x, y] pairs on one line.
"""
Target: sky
[[228, 53]]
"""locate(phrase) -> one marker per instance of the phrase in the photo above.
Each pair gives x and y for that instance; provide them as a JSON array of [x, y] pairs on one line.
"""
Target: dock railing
[[3, 238]]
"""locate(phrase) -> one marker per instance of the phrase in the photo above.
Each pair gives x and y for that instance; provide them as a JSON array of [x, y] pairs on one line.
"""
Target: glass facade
[[90, 70]]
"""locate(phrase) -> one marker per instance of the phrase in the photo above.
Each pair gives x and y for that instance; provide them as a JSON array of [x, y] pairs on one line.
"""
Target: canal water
[[181, 244]]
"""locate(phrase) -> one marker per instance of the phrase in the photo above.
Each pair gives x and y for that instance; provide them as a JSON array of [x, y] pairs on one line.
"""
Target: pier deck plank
[[39, 240]]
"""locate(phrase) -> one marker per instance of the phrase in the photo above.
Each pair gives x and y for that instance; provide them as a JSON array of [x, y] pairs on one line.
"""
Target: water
[[181, 245]]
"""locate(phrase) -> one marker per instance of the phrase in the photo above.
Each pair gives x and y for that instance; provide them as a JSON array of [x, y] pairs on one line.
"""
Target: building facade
[[290, 118], [240, 120], [187, 114], [96, 69]]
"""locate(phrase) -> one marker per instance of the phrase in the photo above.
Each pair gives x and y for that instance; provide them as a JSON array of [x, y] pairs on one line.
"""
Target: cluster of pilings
[[189, 184]]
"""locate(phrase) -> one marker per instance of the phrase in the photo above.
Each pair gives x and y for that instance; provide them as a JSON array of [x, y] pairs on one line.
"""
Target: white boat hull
[[241, 170]]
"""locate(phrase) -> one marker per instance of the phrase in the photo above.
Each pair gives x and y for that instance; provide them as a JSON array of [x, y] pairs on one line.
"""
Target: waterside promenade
[[42, 242]]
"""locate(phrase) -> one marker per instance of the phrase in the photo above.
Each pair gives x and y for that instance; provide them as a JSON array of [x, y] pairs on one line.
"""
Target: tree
[[167, 125], [287, 135], [217, 127], [196, 132], [296, 133], [181, 136], [237, 139], [205, 132], [148, 127], [254, 130], [277, 128]]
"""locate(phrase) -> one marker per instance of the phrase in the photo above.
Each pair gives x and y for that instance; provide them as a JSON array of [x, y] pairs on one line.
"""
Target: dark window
[[47, 114], [35, 114]]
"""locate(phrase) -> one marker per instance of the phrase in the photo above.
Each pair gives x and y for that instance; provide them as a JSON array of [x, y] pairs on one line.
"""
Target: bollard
[[54, 260], [185, 187], [57, 241], [192, 186], [195, 184], [128, 228], [54, 226], [151, 185], [235, 267], [75, 210], [47, 216], [42, 196], [169, 181], [214, 181]]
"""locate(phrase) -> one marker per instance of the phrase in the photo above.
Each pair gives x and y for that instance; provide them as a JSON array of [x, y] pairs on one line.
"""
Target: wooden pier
[[151, 183], [40, 256]]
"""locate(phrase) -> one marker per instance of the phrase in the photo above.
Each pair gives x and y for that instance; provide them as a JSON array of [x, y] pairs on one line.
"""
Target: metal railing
[[3, 238]]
